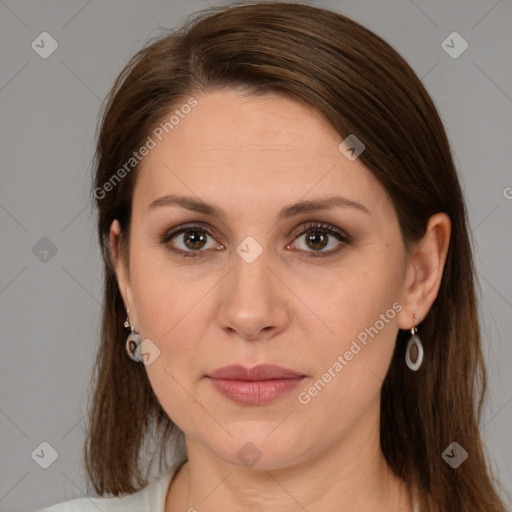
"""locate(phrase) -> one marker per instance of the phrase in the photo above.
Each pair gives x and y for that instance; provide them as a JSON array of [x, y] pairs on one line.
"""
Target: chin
[[261, 449]]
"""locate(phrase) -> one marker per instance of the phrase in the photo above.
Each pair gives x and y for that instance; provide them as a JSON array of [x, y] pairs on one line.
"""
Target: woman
[[289, 284]]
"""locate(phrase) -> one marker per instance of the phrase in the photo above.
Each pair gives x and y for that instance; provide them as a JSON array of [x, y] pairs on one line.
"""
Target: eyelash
[[313, 226]]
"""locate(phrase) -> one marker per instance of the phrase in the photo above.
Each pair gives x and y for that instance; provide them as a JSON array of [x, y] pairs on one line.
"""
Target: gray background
[[50, 310]]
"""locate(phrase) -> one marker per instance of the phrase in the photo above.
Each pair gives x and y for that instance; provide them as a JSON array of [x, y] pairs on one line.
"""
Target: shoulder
[[127, 503], [152, 497]]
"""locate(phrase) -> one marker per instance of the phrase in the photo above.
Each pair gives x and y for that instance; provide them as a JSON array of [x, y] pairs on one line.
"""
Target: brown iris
[[195, 239], [316, 240]]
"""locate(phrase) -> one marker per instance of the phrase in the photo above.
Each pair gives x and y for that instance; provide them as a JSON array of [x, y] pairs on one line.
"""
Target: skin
[[250, 156]]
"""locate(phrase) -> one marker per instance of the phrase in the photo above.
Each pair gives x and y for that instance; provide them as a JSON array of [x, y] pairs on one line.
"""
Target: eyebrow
[[197, 205]]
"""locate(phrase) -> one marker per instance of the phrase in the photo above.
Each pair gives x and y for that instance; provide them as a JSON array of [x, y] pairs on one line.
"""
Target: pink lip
[[254, 386], [260, 372]]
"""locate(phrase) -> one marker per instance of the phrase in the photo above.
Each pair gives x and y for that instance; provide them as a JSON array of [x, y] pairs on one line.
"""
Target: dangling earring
[[414, 340], [133, 341]]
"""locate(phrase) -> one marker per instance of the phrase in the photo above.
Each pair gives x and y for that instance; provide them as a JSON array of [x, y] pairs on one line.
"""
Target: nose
[[254, 306]]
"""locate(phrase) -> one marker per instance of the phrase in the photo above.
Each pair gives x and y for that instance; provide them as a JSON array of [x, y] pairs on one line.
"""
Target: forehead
[[262, 148]]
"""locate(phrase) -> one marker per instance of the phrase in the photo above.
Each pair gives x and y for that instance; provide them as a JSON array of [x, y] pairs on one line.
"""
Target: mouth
[[259, 385]]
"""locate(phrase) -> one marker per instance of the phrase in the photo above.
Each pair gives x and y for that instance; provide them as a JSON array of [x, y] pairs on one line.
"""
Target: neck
[[351, 475]]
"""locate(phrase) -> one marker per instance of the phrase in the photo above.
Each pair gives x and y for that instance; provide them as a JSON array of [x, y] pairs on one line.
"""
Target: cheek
[[358, 307], [169, 309], [350, 366], [165, 295], [344, 302]]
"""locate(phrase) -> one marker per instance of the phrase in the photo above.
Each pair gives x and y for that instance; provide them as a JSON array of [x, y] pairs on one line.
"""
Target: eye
[[189, 241], [318, 236]]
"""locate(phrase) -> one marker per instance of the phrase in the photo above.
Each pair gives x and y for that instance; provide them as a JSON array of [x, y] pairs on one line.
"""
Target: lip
[[259, 385], [259, 372]]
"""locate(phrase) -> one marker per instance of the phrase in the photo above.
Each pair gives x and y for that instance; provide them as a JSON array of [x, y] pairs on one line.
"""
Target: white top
[[151, 498]]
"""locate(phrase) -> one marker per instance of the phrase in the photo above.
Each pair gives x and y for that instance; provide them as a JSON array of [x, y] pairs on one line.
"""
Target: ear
[[425, 271], [120, 264]]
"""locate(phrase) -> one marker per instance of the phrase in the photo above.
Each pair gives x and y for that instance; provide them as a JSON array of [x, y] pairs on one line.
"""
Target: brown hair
[[362, 86]]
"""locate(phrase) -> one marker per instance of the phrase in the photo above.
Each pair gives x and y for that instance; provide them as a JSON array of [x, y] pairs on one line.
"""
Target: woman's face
[[248, 287]]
